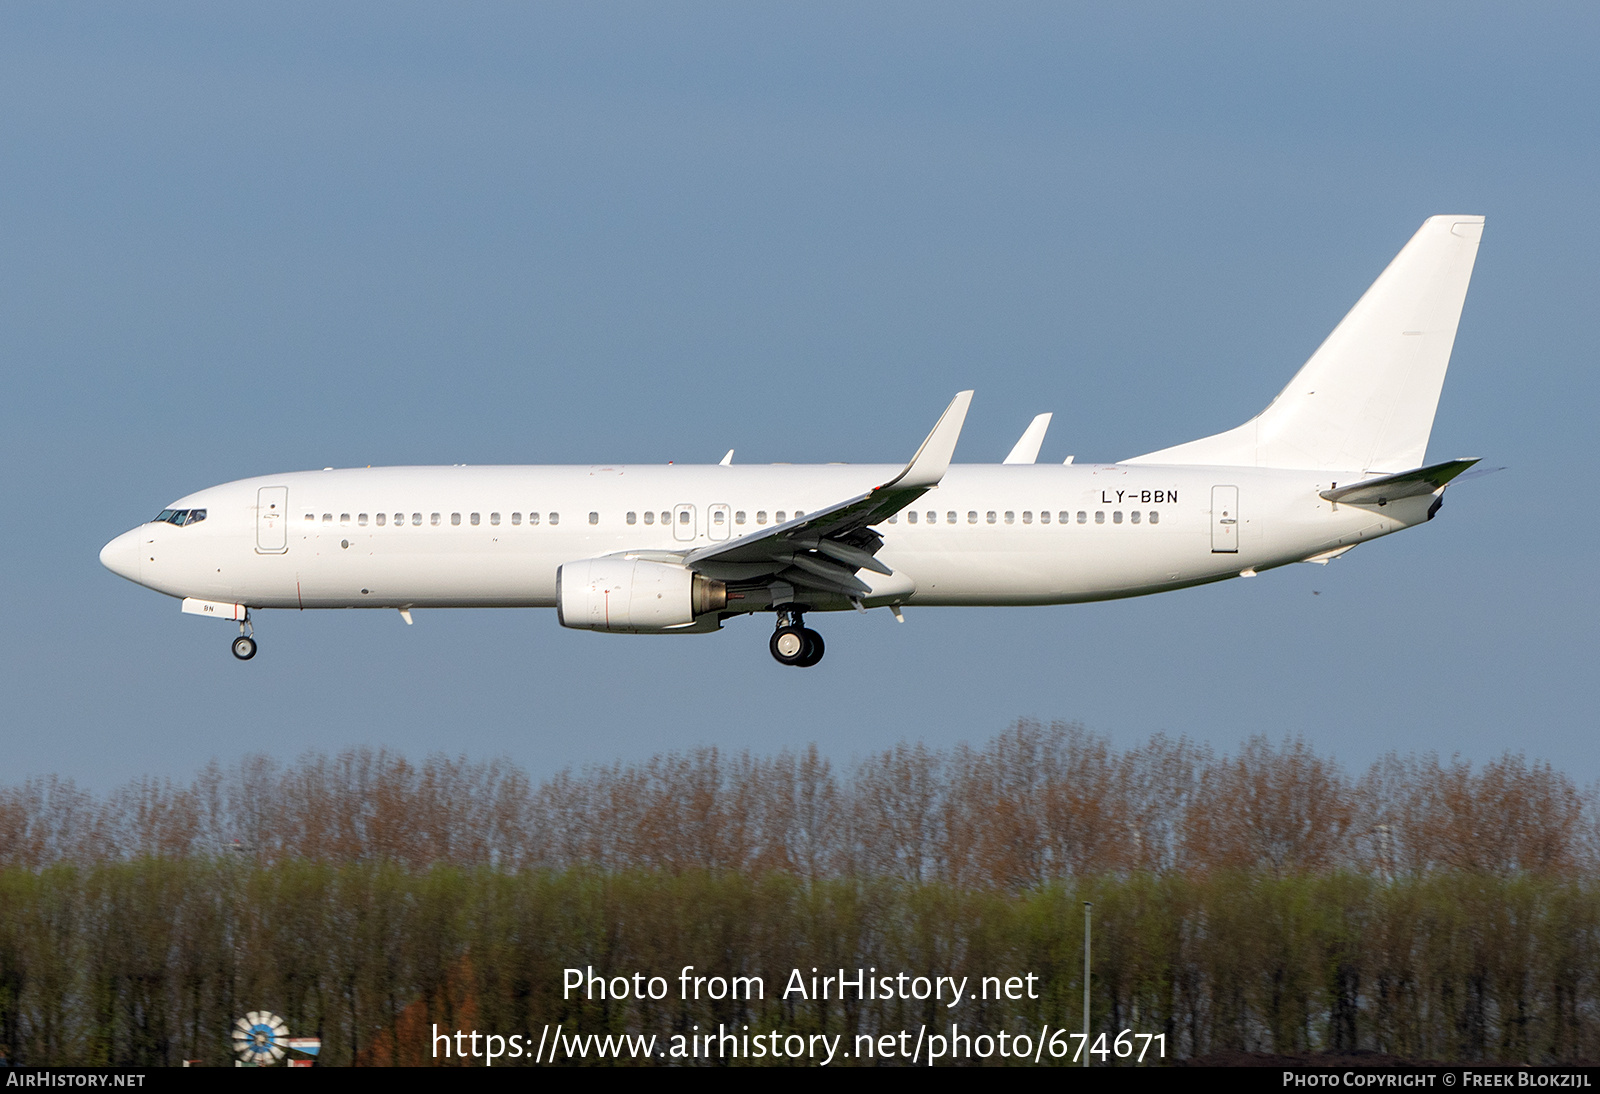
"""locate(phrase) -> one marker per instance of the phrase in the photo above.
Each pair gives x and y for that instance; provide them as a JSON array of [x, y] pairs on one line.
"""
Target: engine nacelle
[[633, 596]]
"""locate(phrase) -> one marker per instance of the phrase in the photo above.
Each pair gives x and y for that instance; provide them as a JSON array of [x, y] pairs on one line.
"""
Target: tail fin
[[1365, 400]]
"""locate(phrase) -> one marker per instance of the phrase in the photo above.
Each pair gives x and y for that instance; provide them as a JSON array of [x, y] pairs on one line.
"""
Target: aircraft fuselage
[[403, 537]]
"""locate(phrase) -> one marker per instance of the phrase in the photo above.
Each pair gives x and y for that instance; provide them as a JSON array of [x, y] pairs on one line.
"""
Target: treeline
[[1038, 803], [148, 962]]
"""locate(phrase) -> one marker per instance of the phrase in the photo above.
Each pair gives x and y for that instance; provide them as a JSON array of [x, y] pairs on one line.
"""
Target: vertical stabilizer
[[1365, 400]]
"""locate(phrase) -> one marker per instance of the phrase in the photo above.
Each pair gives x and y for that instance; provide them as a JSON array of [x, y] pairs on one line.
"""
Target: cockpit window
[[180, 517]]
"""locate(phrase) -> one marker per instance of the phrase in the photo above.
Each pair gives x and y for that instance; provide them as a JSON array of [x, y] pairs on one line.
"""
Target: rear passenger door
[[1224, 520]]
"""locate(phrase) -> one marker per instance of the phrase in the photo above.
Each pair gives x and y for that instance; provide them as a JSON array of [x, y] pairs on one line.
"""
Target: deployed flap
[[1366, 399], [1407, 484], [1026, 450], [795, 546]]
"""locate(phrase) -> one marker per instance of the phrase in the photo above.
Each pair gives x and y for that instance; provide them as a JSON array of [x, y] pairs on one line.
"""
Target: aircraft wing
[[825, 548], [1407, 484]]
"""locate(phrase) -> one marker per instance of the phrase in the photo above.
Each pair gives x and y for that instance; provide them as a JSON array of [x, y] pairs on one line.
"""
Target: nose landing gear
[[244, 647], [795, 644]]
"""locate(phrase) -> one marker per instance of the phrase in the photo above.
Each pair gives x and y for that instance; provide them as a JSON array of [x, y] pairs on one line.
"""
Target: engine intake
[[632, 596]]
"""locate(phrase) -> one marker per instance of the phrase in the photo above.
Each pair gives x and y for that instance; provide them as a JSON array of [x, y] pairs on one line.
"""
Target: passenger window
[[416, 518], [1155, 517], [309, 516], [1063, 517], [990, 516], [778, 517], [1116, 518], [1044, 516], [933, 518], [327, 518], [516, 518], [761, 516], [1027, 516], [798, 513], [434, 520], [683, 517], [361, 519], [1011, 517], [911, 517], [383, 518], [494, 518], [555, 518], [632, 518], [894, 519], [594, 518], [1134, 516], [650, 518], [533, 518], [399, 518], [474, 519], [1100, 516], [344, 518], [949, 518], [972, 516], [455, 518], [738, 518], [1083, 517], [718, 517], [666, 517]]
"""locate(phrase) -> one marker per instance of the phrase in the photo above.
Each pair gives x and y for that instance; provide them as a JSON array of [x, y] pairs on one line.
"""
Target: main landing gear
[[244, 647], [795, 644]]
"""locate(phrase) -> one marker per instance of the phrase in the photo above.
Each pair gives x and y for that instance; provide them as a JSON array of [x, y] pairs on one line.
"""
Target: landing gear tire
[[814, 649], [244, 647], [789, 645], [799, 646]]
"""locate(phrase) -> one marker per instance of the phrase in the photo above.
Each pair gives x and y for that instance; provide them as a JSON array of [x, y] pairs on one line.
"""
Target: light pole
[[1086, 907]]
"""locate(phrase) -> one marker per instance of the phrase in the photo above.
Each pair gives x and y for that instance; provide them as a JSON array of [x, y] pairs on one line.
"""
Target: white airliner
[[1337, 459]]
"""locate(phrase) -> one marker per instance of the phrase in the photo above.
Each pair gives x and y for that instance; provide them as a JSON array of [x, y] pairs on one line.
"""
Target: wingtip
[[928, 466]]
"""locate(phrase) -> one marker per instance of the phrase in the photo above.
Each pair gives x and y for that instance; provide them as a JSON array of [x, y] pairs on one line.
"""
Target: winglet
[[932, 460], [1026, 450]]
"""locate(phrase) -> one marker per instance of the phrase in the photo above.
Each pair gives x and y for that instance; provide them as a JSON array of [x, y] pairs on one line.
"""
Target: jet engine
[[632, 596]]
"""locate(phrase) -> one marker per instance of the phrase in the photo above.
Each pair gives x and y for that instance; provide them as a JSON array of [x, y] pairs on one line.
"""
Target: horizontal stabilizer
[[1407, 484]]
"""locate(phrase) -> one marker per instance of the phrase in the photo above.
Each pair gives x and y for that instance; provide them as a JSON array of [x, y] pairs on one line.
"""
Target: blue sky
[[245, 240]]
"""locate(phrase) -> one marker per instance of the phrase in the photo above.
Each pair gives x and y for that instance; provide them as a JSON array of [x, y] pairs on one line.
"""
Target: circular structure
[[813, 651], [244, 647], [260, 1037], [788, 645]]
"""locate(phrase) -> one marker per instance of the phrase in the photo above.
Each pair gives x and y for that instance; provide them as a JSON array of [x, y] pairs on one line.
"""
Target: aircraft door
[[718, 521], [272, 520], [683, 526], [1224, 520]]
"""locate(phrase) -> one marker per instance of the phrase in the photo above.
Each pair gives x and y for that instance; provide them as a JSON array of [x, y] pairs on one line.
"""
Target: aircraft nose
[[121, 555]]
